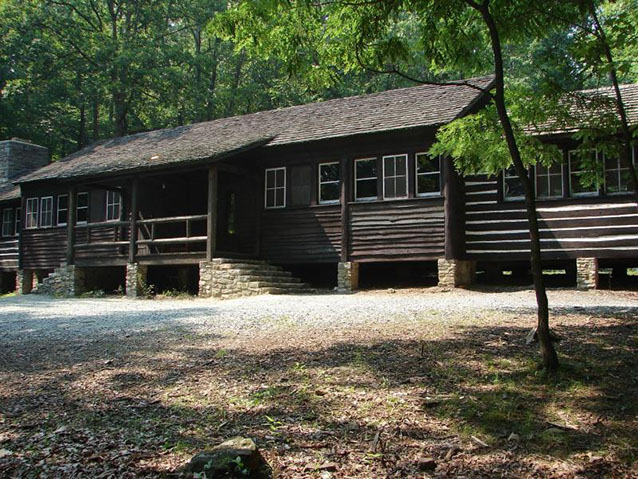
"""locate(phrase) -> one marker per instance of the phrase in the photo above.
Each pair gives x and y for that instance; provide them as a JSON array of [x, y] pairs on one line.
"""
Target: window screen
[[329, 183], [365, 174]]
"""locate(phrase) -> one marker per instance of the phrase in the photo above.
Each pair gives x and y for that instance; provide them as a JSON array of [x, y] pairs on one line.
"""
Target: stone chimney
[[19, 157]]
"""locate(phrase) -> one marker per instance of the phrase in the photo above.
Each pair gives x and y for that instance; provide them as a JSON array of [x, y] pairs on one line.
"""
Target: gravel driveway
[[30, 317]]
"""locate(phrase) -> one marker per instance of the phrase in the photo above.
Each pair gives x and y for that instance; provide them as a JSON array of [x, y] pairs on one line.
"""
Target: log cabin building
[[270, 201]]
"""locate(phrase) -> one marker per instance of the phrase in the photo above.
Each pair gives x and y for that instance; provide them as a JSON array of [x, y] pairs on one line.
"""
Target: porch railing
[[155, 236]]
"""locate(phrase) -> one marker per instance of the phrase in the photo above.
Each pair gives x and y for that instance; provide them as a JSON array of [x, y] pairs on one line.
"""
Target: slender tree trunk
[[549, 356], [230, 108], [82, 127], [212, 84], [96, 118], [625, 154]]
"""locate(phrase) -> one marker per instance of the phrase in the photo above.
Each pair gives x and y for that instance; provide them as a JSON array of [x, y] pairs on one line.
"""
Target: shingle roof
[[9, 192], [425, 105], [591, 109]]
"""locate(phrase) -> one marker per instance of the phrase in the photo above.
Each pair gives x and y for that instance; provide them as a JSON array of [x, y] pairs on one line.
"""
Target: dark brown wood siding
[[397, 230], [301, 235], [602, 227], [43, 248], [9, 254], [100, 235]]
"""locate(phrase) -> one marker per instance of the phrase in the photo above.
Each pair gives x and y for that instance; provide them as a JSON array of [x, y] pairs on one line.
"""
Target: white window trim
[[569, 168], [430, 173], [562, 183], [77, 207], [11, 224], [620, 168], [407, 193], [42, 209], [35, 201], [338, 182], [118, 203], [356, 180], [57, 210], [17, 220], [275, 188], [510, 198]]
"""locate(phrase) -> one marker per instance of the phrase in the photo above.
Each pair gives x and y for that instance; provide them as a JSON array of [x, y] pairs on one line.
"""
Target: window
[[365, 179], [113, 205], [428, 175], [329, 183], [275, 194], [616, 175], [579, 164], [18, 220], [512, 186], [7, 222], [32, 213], [82, 209], [549, 181], [395, 176], [46, 212], [300, 185], [63, 210]]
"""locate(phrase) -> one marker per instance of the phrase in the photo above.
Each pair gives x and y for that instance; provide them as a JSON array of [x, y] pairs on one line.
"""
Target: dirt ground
[[429, 394]]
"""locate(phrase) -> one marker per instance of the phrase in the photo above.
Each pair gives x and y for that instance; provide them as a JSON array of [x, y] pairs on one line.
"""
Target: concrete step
[[250, 267]]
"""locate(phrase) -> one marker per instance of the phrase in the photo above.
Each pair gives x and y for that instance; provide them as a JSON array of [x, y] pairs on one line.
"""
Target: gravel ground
[[30, 317]]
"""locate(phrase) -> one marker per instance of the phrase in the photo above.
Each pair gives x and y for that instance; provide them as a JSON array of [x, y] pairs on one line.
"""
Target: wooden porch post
[[454, 192], [70, 225], [211, 220], [344, 197], [132, 248]]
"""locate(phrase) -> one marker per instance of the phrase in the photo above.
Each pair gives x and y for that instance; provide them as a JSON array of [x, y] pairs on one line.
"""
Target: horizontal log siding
[[8, 254], [43, 248], [304, 235], [101, 235], [602, 227], [397, 230]]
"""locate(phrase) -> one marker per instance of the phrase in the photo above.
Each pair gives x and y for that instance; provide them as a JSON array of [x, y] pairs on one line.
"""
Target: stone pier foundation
[[24, 281], [348, 276], [454, 273], [587, 273], [136, 276]]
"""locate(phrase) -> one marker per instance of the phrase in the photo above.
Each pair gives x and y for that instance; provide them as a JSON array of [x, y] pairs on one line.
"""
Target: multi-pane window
[[63, 210], [31, 220], [7, 222], [579, 164], [512, 187], [616, 174], [18, 221], [275, 191], [549, 181], [365, 179], [82, 208], [428, 175], [113, 205], [395, 176], [329, 183], [46, 212]]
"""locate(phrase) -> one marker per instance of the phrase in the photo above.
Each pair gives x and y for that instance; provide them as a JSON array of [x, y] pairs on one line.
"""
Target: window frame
[[78, 207], [547, 178], [417, 174], [32, 201], [117, 195], [407, 192], [619, 170], [58, 210], [10, 223], [356, 180], [585, 194], [320, 183], [275, 188], [503, 186], [49, 200], [18, 220]]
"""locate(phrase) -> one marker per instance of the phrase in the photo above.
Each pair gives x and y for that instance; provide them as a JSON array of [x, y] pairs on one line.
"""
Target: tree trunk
[[549, 356], [96, 118], [230, 108]]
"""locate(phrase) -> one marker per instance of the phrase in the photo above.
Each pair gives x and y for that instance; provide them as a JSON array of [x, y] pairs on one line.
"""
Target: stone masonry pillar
[[24, 281], [136, 275], [456, 272], [348, 276], [206, 278], [587, 273]]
